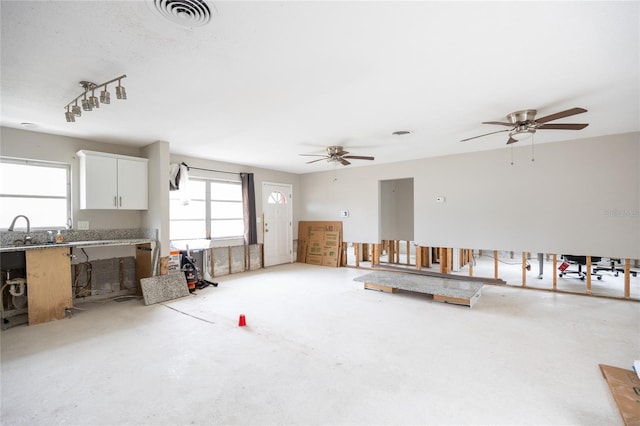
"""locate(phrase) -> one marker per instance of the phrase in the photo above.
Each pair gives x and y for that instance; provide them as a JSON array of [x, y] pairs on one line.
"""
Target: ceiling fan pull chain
[[533, 155], [512, 154]]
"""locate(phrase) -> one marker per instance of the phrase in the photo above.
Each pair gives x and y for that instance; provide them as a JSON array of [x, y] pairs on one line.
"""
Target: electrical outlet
[[344, 213], [83, 225]]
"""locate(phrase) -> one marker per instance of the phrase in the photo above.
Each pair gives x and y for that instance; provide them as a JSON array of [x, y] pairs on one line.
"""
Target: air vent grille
[[186, 13]]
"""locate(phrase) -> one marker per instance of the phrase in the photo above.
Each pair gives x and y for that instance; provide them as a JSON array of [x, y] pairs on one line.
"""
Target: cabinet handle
[[115, 201], [70, 256], [120, 201]]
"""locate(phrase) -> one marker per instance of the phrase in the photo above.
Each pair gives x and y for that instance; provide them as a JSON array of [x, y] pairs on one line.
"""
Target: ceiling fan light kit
[[523, 124], [91, 102]]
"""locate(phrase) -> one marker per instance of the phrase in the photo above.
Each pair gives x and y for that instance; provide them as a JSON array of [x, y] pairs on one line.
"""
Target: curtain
[[249, 208]]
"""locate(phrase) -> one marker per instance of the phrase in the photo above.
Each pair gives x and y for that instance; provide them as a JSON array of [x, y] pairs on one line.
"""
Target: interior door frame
[[289, 229]]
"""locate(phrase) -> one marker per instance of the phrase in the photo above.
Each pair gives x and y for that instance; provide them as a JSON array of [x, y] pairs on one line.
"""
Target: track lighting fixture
[[88, 104]]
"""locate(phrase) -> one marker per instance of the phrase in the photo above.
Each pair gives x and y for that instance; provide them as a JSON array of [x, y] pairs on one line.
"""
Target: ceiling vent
[[186, 13]]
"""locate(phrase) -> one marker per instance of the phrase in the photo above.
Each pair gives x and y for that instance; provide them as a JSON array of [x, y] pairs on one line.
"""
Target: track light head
[[69, 116], [76, 109], [95, 103], [105, 97], [121, 93], [86, 104]]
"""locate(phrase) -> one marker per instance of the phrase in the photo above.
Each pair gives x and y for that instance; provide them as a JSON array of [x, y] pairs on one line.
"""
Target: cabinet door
[[132, 184], [100, 189], [48, 284]]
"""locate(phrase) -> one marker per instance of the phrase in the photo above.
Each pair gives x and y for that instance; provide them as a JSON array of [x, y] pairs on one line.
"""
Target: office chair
[[579, 260], [612, 268]]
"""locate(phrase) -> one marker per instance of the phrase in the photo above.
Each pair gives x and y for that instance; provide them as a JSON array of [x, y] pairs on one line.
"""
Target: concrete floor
[[319, 349]]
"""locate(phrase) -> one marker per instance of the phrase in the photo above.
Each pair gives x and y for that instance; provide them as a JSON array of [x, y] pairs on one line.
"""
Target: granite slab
[[443, 289], [164, 287]]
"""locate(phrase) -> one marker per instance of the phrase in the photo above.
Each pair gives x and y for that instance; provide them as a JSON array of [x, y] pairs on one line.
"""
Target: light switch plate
[[440, 199], [344, 213], [83, 225]]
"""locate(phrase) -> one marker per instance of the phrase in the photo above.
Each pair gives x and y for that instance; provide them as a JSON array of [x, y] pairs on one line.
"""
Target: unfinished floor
[[319, 349]]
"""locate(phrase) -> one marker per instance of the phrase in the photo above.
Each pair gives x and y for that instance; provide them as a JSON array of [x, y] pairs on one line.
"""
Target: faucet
[[27, 238]]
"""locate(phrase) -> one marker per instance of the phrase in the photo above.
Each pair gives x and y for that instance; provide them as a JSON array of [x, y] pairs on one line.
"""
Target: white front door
[[278, 215]]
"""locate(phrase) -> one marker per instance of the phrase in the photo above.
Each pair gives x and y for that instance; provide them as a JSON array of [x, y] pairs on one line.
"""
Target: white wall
[[157, 216], [578, 197]]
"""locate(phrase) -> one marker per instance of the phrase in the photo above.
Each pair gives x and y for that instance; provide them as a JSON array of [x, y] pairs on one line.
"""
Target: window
[[277, 197], [37, 189], [206, 209]]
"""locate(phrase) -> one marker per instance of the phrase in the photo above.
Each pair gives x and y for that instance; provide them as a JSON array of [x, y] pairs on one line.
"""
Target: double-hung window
[[39, 190], [206, 209]]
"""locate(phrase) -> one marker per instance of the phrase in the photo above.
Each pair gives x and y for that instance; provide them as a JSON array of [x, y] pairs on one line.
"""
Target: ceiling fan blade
[[565, 126], [313, 155], [344, 162], [511, 140], [486, 134], [315, 161], [341, 153], [500, 123], [561, 114], [358, 157]]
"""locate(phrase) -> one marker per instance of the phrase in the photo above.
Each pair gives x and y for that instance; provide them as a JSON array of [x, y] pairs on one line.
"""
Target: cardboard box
[[331, 238], [625, 388], [317, 240], [314, 259], [330, 261], [316, 236]]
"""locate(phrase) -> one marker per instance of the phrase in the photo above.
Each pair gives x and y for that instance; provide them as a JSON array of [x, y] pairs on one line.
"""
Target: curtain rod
[[210, 170]]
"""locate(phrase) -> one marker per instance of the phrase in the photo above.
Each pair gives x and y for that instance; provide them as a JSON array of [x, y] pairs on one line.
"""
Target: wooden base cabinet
[[48, 284]]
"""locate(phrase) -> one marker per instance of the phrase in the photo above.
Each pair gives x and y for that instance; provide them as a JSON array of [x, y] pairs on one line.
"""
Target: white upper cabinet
[[109, 181]]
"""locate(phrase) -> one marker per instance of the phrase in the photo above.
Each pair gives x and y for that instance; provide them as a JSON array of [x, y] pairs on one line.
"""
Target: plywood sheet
[[48, 284]]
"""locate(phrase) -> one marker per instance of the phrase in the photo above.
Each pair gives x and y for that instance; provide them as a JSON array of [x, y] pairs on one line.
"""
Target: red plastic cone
[[242, 321]]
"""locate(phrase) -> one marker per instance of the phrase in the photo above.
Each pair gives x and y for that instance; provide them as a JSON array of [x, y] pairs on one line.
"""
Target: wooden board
[[384, 288], [48, 284], [143, 264], [466, 301]]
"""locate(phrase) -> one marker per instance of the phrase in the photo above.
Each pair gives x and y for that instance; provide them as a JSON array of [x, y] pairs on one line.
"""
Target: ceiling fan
[[523, 124], [337, 154]]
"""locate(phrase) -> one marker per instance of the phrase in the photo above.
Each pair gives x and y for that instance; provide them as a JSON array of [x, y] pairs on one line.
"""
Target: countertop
[[94, 243]]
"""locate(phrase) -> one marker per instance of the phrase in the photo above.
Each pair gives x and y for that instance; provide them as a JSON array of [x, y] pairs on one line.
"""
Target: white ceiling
[[266, 81]]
